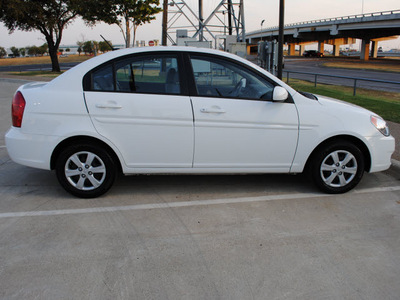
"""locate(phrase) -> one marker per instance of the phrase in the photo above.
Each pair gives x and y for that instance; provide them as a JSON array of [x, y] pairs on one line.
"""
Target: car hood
[[337, 104]]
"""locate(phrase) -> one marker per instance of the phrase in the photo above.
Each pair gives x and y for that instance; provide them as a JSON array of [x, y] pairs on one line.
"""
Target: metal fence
[[355, 79]]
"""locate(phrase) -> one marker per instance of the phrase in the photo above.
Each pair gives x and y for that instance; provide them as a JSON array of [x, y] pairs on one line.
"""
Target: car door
[[237, 125], [138, 103]]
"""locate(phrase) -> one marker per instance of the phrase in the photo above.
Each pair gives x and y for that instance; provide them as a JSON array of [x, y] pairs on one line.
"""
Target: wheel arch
[[348, 138], [83, 139]]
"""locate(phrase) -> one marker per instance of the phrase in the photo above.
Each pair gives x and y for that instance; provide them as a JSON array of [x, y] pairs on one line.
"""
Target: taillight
[[17, 109]]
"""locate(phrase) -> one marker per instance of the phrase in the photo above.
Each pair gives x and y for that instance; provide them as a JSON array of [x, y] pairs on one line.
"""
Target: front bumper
[[381, 148]]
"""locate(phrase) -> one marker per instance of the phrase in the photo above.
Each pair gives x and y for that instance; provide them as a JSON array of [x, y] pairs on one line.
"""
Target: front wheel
[[338, 167], [85, 171]]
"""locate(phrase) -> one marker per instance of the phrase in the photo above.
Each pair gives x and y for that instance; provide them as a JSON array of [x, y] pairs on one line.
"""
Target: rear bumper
[[30, 150]]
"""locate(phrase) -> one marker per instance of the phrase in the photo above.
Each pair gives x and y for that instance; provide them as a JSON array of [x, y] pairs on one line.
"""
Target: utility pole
[[230, 17], [164, 24], [201, 20], [281, 37]]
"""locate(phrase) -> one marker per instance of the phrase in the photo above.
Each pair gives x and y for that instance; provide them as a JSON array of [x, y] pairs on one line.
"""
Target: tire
[[337, 167], [85, 171]]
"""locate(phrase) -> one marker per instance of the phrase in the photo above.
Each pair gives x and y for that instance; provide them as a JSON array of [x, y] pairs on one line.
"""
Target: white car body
[[153, 133]]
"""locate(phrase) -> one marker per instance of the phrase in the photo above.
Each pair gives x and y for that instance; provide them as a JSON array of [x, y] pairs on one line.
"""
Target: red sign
[[151, 43]]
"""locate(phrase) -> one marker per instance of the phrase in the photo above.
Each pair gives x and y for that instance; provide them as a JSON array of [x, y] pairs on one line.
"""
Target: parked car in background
[[312, 53], [165, 110]]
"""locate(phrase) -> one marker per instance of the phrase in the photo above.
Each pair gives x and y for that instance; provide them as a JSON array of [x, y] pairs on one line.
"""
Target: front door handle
[[109, 104]]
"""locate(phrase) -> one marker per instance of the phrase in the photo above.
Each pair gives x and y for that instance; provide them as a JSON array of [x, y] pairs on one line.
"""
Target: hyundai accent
[[169, 110]]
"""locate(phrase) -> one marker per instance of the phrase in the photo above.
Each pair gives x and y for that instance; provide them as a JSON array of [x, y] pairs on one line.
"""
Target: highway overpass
[[370, 28]]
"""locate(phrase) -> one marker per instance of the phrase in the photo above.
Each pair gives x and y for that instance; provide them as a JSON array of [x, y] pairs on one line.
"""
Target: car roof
[[72, 79], [77, 72]]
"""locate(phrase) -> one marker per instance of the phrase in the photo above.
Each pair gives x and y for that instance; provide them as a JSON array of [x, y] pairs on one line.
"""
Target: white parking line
[[186, 203]]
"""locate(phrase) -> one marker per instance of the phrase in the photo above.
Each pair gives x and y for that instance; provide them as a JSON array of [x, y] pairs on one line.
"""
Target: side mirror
[[280, 94]]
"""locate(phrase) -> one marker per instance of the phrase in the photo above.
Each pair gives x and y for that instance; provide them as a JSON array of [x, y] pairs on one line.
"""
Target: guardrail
[[359, 16], [327, 20], [356, 79]]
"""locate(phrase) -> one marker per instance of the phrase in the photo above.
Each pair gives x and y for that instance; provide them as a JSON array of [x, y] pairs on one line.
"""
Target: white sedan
[[160, 110]]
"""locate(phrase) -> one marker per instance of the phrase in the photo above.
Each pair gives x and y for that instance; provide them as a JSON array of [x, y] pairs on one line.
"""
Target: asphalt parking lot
[[196, 237]]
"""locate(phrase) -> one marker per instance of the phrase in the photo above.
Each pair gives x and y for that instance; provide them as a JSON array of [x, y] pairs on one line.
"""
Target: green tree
[[87, 47], [33, 51], [43, 49], [15, 51], [80, 46], [104, 47], [22, 51], [3, 52], [127, 14], [49, 17]]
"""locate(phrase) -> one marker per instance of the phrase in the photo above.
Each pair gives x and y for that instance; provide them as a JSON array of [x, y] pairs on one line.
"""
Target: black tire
[[337, 167], [85, 171]]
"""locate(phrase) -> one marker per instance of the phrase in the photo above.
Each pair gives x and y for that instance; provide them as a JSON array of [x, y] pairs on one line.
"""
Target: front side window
[[156, 75], [222, 78]]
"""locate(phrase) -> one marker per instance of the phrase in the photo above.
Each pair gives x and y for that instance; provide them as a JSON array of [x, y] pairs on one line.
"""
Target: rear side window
[[156, 75], [103, 79]]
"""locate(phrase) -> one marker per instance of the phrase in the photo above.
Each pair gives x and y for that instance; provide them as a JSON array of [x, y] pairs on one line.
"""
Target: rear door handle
[[213, 110]]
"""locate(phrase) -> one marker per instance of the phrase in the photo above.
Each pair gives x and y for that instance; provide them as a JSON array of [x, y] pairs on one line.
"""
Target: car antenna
[[111, 46]]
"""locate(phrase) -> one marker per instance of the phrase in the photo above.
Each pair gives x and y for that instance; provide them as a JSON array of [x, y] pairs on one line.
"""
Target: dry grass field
[[19, 61]]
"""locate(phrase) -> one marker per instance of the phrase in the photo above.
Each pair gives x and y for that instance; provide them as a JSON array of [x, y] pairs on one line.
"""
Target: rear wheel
[[337, 167], [85, 171]]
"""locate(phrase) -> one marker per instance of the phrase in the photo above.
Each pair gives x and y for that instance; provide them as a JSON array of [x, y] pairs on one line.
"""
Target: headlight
[[381, 125]]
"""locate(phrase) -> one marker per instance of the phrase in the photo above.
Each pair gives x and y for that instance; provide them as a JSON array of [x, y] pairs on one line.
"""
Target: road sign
[[151, 43]]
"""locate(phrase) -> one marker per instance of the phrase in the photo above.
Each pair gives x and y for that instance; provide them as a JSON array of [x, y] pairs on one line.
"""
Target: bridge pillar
[[336, 50], [364, 55], [321, 46], [292, 49], [374, 50], [301, 49]]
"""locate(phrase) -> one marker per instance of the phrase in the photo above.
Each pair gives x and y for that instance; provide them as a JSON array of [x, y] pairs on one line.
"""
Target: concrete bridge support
[[374, 49], [336, 43], [292, 49], [364, 55], [301, 49], [321, 47], [336, 50]]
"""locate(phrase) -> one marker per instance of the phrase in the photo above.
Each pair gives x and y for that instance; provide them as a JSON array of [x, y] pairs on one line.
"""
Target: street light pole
[[281, 37], [262, 22]]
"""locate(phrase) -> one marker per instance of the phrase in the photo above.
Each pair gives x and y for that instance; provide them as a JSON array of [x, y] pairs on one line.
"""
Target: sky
[[255, 12]]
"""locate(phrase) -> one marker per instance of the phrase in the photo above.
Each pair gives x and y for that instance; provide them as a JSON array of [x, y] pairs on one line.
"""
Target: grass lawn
[[385, 104], [393, 66]]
